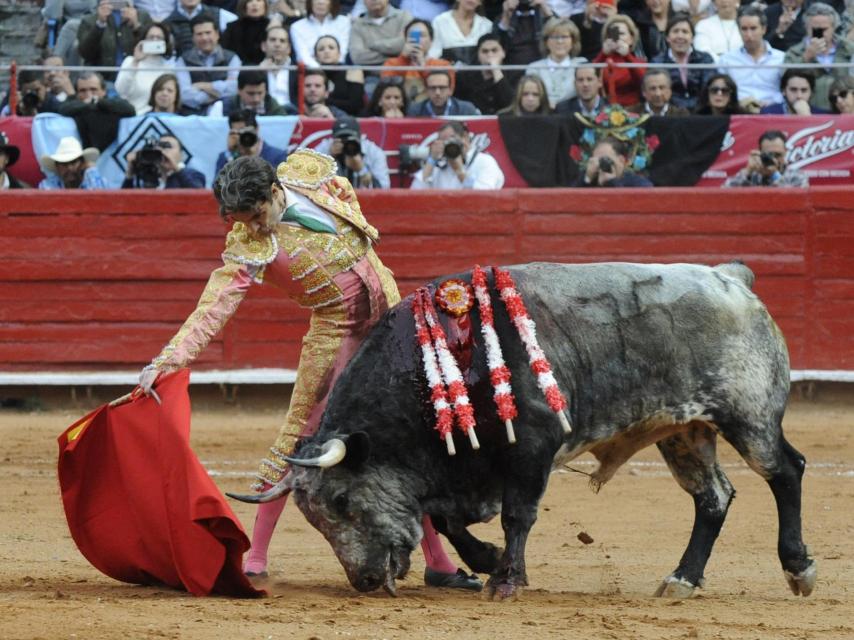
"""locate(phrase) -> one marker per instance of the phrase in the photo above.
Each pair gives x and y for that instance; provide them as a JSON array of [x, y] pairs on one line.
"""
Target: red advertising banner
[[19, 131], [391, 133], [822, 146]]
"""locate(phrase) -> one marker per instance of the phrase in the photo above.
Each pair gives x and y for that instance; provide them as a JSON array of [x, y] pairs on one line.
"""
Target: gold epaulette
[[307, 168], [244, 248]]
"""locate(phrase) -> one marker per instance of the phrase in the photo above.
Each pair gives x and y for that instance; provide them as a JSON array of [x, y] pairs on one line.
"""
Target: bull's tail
[[738, 270]]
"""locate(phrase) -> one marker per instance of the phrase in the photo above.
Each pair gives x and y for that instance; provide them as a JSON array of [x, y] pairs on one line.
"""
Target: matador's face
[[265, 216]]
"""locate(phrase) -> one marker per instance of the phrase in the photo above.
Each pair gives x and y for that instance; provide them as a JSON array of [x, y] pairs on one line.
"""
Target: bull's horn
[[332, 453], [273, 493]]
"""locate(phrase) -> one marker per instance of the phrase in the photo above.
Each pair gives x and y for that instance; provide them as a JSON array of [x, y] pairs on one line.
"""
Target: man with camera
[[608, 166], [767, 166], [33, 96], [244, 139], [158, 165], [454, 163], [359, 160], [96, 115], [108, 35]]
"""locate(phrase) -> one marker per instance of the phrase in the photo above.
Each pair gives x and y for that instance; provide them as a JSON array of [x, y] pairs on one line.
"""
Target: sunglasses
[[842, 94], [724, 91]]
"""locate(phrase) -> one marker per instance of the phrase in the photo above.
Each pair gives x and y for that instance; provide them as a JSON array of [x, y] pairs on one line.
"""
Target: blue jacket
[[271, 154], [453, 108]]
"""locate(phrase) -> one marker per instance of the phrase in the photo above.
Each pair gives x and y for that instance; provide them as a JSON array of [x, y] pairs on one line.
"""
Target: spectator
[[589, 101], [96, 115], [180, 20], [165, 95], [418, 41], [348, 85], [767, 167], [719, 97], [841, 95], [139, 71], [590, 24], [657, 93], [57, 79], [286, 12], [457, 31], [531, 98], [785, 26], [9, 155], [754, 67], [608, 167], [454, 163], [718, 33], [687, 83], [388, 100], [33, 97], [322, 20], [488, 89], [696, 10], [251, 94], [111, 33], [159, 10], [567, 8], [67, 15], [244, 139], [316, 93], [521, 28], [425, 10], [213, 71], [281, 82], [160, 165], [245, 35], [378, 35], [359, 159], [619, 39], [797, 86], [822, 46], [71, 167], [652, 25], [561, 43], [440, 102]]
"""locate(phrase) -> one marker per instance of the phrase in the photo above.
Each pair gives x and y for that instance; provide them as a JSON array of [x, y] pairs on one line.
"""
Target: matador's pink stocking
[[434, 552], [265, 523]]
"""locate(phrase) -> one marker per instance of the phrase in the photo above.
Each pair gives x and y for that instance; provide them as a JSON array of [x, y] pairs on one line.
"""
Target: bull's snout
[[368, 581]]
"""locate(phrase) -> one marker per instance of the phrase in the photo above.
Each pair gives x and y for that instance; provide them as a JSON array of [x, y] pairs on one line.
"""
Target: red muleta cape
[[141, 507]]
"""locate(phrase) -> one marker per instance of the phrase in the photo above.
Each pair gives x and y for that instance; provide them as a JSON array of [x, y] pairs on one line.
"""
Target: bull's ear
[[358, 450]]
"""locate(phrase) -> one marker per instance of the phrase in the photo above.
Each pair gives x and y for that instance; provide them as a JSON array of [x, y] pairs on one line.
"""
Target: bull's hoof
[[504, 591], [673, 587], [802, 583]]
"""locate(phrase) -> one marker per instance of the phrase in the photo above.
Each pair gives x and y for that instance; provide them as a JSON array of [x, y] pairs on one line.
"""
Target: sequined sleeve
[[222, 295]]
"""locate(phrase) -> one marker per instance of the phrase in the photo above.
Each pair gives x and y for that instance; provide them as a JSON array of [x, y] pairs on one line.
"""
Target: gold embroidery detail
[[244, 248], [307, 168]]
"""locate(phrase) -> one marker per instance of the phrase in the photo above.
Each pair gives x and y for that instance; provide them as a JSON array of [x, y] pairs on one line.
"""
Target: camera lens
[[352, 147], [453, 149], [248, 138], [767, 159], [30, 99], [605, 164]]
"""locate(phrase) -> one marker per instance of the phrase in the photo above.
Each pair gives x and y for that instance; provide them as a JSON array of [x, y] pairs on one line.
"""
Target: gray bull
[[671, 355]]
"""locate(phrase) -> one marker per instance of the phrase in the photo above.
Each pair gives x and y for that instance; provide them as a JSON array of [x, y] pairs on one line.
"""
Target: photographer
[[453, 163], [244, 139], [33, 96], [607, 167], [767, 167], [359, 160], [158, 165]]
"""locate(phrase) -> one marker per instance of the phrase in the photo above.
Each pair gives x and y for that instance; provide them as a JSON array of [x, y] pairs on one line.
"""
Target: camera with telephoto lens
[[30, 102], [247, 137], [767, 159], [606, 165], [352, 147], [413, 154], [453, 148], [146, 166]]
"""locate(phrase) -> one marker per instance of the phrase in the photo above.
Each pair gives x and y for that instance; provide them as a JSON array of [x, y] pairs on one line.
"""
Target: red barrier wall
[[96, 281]]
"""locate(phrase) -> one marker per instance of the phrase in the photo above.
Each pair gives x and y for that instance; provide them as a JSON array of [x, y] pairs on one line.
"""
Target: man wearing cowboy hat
[[9, 155], [72, 167]]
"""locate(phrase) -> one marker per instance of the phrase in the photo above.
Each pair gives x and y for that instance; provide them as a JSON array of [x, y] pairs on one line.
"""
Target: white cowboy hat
[[69, 149]]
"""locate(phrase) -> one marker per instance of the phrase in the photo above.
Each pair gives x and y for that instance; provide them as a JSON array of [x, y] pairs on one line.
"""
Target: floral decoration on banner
[[615, 122], [527, 329], [455, 297]]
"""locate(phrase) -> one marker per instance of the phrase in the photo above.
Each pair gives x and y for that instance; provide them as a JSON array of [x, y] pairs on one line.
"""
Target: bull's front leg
[[518, 515]]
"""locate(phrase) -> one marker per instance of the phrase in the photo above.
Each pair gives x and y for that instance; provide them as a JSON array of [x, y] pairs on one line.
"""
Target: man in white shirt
[[454, 163], [281, 83], [719, 33], [758, 83]]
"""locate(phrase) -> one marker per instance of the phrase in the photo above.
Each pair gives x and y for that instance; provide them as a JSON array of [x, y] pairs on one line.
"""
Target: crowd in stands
[[189, 57]]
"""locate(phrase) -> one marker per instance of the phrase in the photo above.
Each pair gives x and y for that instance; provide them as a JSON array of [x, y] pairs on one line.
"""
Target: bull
[[671, 355]]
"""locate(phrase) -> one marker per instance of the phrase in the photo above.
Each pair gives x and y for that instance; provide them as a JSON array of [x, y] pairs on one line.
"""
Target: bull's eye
[[340, 504]]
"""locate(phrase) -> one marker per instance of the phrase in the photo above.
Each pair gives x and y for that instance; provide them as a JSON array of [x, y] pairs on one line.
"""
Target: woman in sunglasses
[[841, 95], [719, 97]]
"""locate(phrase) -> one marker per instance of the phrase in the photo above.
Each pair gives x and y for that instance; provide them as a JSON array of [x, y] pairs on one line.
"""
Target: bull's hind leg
[[692, 459], [771, 456]]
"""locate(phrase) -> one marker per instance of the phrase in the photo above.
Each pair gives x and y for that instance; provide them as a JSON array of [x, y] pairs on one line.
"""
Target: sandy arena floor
[[639, 523]]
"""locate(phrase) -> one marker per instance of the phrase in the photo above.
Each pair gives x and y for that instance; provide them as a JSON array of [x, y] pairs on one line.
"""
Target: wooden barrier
[[101, 280]]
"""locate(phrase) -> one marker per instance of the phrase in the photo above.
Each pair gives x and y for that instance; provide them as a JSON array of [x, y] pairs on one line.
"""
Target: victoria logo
[[807, 146]]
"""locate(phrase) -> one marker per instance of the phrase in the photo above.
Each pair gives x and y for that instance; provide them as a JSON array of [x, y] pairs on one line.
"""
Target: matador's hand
[[147, 377]]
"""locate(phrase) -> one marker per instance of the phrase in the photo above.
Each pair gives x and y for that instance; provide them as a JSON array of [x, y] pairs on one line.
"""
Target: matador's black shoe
[[458, 580]]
